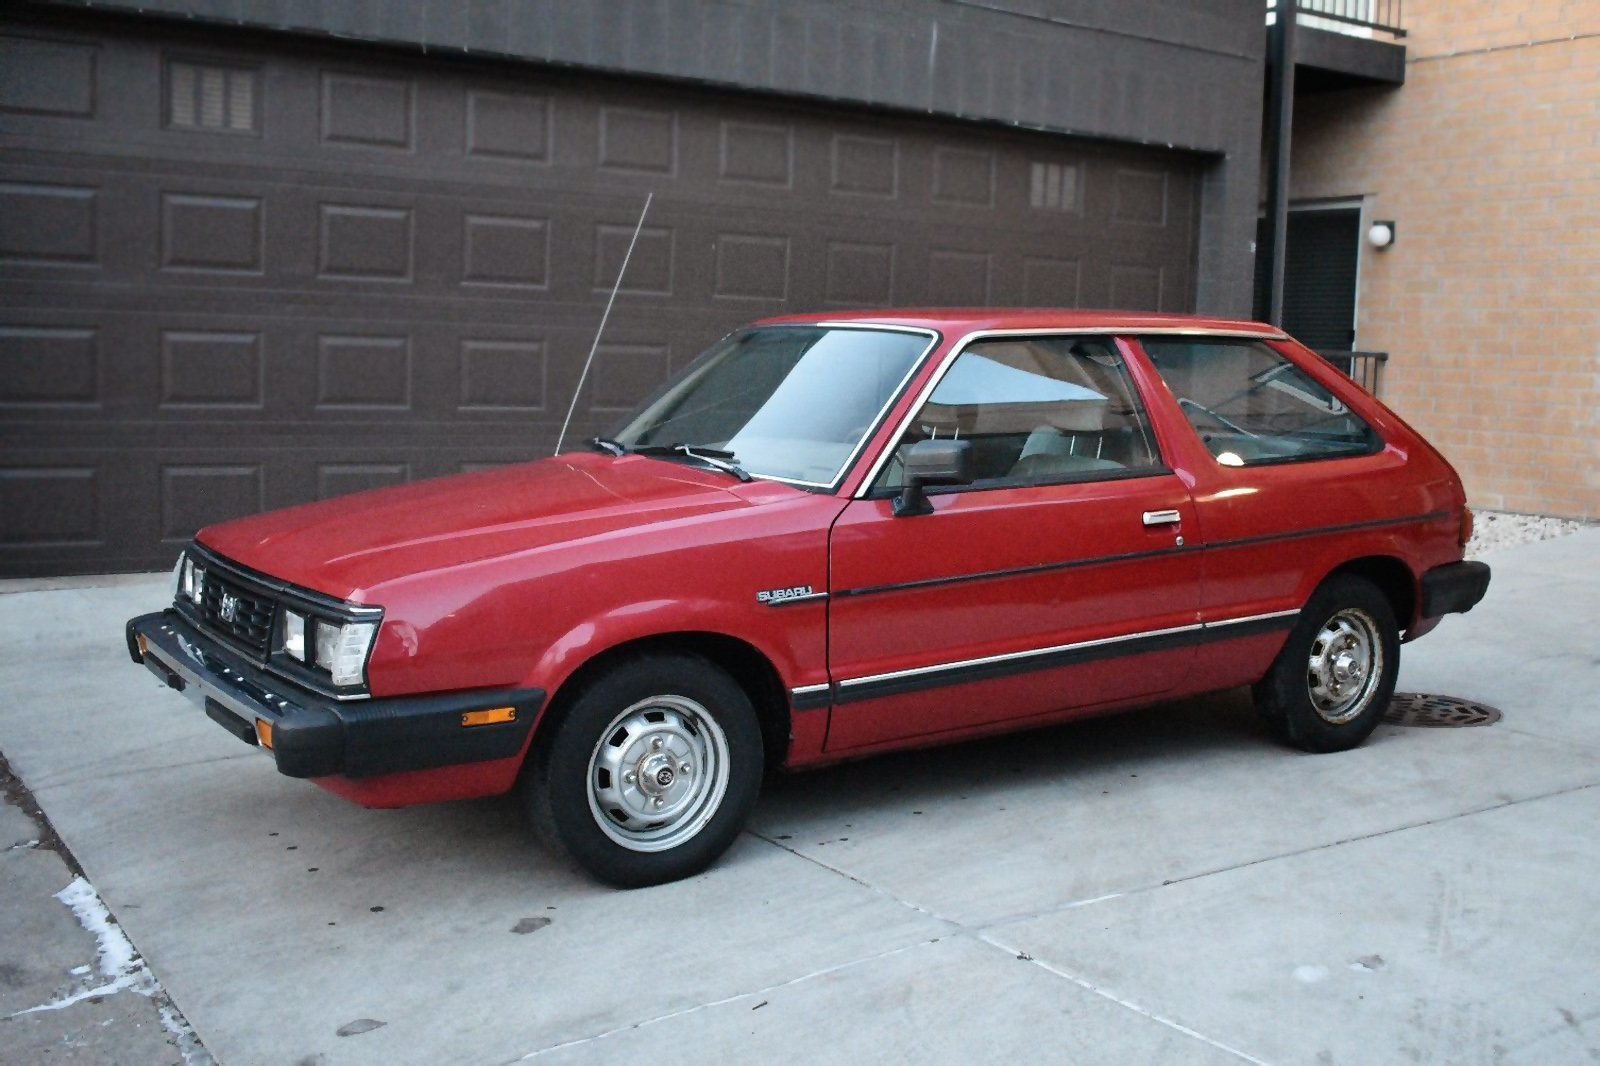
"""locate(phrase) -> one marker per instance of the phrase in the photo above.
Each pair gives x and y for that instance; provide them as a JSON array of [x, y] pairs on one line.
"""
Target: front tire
[[1336, 673], [650, 770]]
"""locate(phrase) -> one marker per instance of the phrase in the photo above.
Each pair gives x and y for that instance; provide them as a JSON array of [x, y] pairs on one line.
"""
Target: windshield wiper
[[606, 444], [714, 457]]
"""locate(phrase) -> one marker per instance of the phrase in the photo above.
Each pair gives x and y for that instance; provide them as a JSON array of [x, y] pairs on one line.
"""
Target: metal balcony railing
[[1360, 18], [1362, 367]]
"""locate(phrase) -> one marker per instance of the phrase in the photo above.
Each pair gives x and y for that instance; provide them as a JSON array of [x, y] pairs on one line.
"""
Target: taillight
[[1466, 525]]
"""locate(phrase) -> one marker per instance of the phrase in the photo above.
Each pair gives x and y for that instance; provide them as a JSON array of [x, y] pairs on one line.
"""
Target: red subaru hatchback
[[831, 536]]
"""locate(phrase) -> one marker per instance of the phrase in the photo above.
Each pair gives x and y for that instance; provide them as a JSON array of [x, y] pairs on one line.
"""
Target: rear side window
[[1037, 410], [1250, 405]]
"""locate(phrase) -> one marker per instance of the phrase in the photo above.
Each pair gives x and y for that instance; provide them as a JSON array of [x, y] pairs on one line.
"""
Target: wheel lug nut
[[630, 777], [659, 801], [655, 743]]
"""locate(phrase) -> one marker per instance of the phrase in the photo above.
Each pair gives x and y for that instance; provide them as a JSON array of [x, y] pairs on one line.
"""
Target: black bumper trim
[[318, 737], [1454, 588]]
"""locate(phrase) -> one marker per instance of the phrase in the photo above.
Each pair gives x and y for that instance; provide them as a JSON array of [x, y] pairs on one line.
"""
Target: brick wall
[[1488, 160]]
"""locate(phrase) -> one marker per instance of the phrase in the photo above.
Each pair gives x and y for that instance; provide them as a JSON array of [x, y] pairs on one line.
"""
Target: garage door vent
[[1054, 187], [204, 96]]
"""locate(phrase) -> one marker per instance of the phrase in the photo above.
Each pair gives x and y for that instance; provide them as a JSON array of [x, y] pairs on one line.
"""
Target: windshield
[[789, 402]]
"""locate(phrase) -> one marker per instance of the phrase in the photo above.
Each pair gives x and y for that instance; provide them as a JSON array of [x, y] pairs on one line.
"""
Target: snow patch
[[124, 968], [189, 1046], [114, 952]]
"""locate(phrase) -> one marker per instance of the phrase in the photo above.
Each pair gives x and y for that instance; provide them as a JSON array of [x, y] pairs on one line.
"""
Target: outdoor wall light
[[1381, 235]]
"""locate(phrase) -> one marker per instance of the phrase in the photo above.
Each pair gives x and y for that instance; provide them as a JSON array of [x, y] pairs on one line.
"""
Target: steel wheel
[[1346, 665], [658, 773]]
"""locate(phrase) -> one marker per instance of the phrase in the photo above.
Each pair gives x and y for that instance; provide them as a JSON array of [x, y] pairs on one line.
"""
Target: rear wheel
[[649, 772], [1336, 673]]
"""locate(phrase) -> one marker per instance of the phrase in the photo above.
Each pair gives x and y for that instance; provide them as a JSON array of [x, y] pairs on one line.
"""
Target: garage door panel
[[341, 270]]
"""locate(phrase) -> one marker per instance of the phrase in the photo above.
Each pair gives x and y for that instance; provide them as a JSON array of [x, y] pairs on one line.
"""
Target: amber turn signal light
[[144, 645], [264, 733], [493, 716], [1466, 525]]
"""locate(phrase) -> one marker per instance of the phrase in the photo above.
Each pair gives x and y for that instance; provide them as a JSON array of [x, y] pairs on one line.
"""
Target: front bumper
[[312, 736], [1454, 588]]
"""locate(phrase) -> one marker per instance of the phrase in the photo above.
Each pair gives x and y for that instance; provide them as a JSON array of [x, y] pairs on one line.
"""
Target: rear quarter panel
[[1272, 533]]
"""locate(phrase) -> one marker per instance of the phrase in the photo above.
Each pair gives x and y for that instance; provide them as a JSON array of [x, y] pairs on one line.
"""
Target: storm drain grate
[[1421, 709]]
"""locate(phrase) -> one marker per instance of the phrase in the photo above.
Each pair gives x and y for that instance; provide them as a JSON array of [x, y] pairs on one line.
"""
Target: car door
[[1058, 579]]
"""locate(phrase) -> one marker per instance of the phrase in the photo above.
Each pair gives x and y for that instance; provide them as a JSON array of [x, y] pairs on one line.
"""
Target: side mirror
[[932, 462]]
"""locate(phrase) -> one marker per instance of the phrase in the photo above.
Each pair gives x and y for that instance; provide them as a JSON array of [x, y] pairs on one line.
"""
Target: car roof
[[963, 320]]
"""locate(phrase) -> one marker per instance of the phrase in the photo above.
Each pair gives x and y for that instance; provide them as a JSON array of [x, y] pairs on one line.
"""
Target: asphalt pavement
[[1166, 885]]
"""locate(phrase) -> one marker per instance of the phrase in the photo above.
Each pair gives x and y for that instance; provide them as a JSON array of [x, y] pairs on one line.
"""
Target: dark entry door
[[1319, 279]]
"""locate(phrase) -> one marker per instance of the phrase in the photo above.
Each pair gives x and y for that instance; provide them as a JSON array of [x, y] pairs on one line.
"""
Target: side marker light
[[493, 716]]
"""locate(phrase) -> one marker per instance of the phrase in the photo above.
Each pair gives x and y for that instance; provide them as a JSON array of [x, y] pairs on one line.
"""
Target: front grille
[[251, 624]]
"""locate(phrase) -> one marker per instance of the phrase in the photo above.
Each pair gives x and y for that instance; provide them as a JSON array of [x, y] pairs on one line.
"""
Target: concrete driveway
[[1161, 886]]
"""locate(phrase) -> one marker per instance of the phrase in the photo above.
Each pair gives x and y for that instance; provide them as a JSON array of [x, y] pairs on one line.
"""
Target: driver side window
[[1037, 410]]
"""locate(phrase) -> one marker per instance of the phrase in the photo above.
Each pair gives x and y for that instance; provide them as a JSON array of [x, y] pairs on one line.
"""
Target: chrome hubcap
[[1346, 665], [658, 773]]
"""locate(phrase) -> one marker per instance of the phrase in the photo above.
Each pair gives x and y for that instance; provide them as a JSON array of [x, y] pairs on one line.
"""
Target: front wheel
[[1336, 673], [649, 772]]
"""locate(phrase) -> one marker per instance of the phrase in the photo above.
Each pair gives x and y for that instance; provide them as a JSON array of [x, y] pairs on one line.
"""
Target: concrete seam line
[[1012, 919], [1121, 1001], [1370, 836], [825, 971], [82, 774], [1558, 741], [885, 893]]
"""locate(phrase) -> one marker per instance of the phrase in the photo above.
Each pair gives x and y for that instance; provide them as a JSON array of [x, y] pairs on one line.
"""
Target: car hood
[[348, 545]]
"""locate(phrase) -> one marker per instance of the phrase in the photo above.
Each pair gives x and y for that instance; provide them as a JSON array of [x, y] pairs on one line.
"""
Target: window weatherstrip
[[984, 334], [934, 337]]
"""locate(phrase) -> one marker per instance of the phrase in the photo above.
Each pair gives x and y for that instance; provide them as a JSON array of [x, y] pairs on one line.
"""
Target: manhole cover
[[1421, 709]]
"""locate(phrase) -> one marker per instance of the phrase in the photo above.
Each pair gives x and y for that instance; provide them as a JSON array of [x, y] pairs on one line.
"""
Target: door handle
[[1162, 518]]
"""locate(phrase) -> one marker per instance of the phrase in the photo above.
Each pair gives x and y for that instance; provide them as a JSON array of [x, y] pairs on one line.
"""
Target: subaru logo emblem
[[230, 607]]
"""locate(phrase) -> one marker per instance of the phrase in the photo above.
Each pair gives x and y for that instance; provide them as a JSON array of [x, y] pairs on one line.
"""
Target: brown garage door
[[239, 272]]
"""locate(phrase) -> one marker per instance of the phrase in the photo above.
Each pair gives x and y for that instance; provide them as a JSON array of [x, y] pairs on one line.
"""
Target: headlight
[[342, 650], [177, 576], [194, 581], [294, 635]]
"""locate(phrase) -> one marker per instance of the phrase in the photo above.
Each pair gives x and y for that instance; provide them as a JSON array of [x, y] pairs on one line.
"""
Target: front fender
[[543, 614]]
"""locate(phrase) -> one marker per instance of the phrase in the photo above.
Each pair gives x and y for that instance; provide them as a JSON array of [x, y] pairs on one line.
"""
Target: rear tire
[[649, 772], [1336, 673]]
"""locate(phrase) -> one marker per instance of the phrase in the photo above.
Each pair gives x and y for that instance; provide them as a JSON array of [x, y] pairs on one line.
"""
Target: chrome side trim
[[1252, 618], [919, 671], [983, 334], [1018, 656], [806, 690]]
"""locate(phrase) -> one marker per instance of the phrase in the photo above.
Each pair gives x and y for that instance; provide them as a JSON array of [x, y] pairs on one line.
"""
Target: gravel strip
[[1494, 530]]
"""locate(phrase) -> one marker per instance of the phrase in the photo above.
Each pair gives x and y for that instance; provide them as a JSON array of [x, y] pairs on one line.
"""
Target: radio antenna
[[573, 406]]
